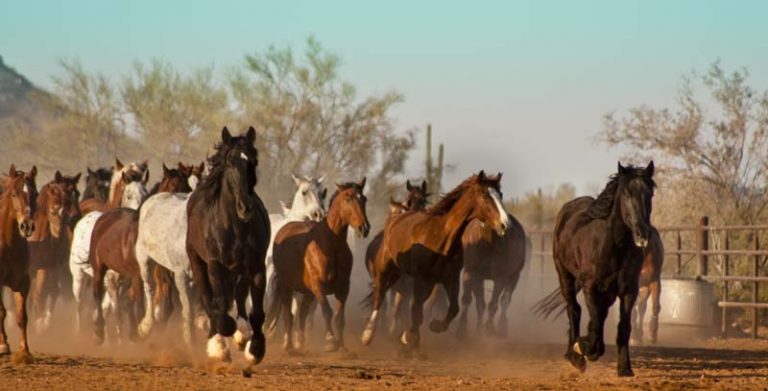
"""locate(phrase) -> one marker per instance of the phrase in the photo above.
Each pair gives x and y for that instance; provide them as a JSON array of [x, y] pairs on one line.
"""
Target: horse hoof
[[242, 335], [437, 326], [577, 361], [331, 346], [254, 353], [98, 339], [367, 337], [144, 329], [5, 349], [217, 348], [22, 357], [626, 372]]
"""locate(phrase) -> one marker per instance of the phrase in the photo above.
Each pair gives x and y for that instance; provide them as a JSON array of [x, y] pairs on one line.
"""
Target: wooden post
[[702, 246], [679, 256], [755, 272], [726, 271]]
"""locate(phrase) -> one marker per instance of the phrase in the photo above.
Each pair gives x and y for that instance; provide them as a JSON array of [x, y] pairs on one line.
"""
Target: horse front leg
[[638, 315], [38, 299], [410, 340], [339, 317], [568, 291], [624, 367], [506, 300], [20, 297], [78, 290], [220, 299], [593, 346], [145, 266], [381, 282], [451, 286], [183, 285], [304, 310], [493, 306], [244, 330], [4, 348], [466, 301], [256, 347]]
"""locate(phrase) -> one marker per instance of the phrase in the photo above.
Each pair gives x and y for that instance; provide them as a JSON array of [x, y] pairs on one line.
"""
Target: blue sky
[[513, 86]]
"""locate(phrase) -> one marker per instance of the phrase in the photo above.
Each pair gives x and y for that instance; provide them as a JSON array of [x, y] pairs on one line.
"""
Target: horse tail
[[552, 303], [274, 308]]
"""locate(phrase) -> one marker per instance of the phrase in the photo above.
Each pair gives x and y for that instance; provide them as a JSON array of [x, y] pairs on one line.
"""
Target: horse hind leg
[[466, 301], [410, 340], [381, 282], [638, 315], [20, 297], [98, 294], [655, 289], [451, 287], [38, 300], [624, 366], [307, 302]]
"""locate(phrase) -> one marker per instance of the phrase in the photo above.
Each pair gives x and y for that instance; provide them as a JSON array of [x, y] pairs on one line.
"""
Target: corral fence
[[731, 257]]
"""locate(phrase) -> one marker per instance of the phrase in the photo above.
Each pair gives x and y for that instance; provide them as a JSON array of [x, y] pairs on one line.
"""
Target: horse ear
[[424, 186], [201, 167], [296, 179], [165, 170], [481, 175], [339, 187], [408, 185], [321, 179], [499, 175], [118, 164], [12, 171], [33, 172], [225, 135], [57, 176], [145, 177], [622, 169], [90, 172], [362, 183], [145, 164], [285, 208], [650, 169], [251, 135], [76, 178]]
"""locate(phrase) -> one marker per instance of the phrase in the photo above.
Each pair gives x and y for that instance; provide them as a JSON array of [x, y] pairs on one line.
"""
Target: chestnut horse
[[598, 247], [488, 256], [55, 217], [650, 285], [226, 241], [417, 201], [113, 247], [314, 259], [16, 224], [425, 245]]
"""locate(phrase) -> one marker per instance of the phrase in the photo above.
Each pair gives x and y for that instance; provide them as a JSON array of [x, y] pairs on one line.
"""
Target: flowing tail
[[553, 303], [274, 308]]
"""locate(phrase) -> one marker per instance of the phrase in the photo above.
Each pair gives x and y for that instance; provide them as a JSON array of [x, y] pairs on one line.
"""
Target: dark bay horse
[[598, 248], [425, 245], [314, 259], [97, 184], [227, 238], [650, 286], [55, 217], [416, 200], [488, 256], [16, 225], [113, 247]]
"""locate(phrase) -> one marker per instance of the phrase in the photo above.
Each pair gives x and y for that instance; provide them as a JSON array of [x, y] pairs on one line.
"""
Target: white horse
[[131, 193]]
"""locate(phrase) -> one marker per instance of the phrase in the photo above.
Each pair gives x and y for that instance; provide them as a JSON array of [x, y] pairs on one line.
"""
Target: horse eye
[[304, 193]]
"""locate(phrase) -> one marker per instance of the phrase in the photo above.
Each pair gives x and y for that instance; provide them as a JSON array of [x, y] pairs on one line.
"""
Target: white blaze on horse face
[[25, 188], [193, 181], [133, 195], [503, 218]]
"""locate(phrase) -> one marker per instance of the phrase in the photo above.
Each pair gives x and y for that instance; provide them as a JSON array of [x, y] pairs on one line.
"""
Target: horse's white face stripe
[[26, 189], [193, 181], [499, 206], [243, 156]]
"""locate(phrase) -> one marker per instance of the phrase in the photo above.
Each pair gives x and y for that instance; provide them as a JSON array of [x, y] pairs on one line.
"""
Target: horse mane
[[446, 203], [6, 220], [602, 206], [211, 184]]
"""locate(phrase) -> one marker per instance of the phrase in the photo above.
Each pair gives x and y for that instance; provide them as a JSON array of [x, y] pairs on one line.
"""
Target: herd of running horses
[[207, 242]]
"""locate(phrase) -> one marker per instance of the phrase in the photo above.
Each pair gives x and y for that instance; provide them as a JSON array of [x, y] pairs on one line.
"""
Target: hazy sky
[[518, 87]]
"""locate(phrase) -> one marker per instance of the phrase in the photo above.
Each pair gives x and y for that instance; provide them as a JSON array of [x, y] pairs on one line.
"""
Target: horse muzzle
[[317, 215], [26, 227], [363, 231]]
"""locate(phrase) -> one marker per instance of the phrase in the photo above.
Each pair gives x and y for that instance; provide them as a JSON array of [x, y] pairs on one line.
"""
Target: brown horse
[[113, 245], [16, 224], [133, 173], [488, 256], [314, 259], [417, 201], [55, 217], [650, 285], [425, 245]]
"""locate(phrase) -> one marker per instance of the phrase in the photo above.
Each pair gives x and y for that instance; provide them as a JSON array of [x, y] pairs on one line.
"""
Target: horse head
[[635, 194], [349, 203], [488, 207], [417, 196], [238, 159], [20, 188], [308, 201], [133, 180], [175, 180]]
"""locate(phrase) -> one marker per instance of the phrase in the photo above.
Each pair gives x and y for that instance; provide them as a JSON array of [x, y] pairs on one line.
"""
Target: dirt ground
[[489, 364]]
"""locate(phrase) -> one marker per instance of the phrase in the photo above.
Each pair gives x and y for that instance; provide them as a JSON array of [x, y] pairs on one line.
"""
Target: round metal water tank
[[687, 302]]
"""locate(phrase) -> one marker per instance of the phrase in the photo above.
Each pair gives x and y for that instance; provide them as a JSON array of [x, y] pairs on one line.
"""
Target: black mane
[[602, 206]]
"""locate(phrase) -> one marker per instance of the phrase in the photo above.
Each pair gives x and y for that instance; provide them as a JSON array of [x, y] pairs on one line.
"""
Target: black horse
[[227, 242], [598, 248], [97, 184]]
